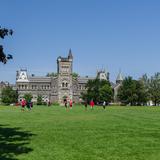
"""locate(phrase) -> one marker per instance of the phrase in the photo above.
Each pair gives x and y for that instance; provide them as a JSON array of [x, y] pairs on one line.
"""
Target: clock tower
[[64, 70]]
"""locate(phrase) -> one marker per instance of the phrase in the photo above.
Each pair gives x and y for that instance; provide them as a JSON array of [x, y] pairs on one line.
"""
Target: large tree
[[98, 90], [28, 97], [39, 100], [154, 88], [4, 57], [142, 93], [133, 92], [9, 95], [127, 92]]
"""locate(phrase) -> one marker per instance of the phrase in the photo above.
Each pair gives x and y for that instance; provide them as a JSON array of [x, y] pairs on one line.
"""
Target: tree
[[127, 92], [9, 95], [98, 90], [28, 97], [154, 88], [52, 74], [74, 75], [142, 93], [3, 57], [39, 100], [133, 92], [106, 93]]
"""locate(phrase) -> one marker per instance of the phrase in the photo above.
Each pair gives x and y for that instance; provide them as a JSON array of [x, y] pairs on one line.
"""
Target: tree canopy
[[28, 97], [98, 90], [9, 95], [132, 92], [52, 74], [154, 88], [39, 100], [4, 57]]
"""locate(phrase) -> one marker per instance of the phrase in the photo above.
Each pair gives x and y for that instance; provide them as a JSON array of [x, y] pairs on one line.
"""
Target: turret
[[102, 75], [22, 76], [70, 56], [119, 78]]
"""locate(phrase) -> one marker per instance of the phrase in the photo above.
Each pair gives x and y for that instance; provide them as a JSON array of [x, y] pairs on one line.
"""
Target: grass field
[[52, 133]]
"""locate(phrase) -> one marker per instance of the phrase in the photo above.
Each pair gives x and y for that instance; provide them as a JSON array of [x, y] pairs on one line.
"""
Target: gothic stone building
[[55, 88]]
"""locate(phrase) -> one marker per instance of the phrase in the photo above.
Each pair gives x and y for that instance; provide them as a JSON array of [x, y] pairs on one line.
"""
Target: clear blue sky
[[111, 34]]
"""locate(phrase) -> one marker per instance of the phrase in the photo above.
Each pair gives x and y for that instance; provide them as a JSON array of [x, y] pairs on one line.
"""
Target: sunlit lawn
[[52, 133]]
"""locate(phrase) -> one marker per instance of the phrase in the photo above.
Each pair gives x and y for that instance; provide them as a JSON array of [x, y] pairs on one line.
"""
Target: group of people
[[92, 104], [28, 104], [68, 103]]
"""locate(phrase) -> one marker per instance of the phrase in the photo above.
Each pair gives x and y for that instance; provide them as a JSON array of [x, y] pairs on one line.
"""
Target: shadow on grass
[[13, 142]]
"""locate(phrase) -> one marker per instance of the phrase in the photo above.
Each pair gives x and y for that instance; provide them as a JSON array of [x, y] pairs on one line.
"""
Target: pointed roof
[[119, 77], [70, 56]]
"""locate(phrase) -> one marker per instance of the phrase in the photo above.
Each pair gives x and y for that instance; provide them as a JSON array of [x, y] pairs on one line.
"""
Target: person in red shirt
[[70, 103], [92, 104], [23, 104]]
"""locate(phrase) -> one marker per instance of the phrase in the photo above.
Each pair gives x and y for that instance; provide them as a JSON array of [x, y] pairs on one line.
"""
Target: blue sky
[[112, 34]]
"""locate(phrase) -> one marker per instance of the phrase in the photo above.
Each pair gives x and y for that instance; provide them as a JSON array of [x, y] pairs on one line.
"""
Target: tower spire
[[119, 77], [70, 56]]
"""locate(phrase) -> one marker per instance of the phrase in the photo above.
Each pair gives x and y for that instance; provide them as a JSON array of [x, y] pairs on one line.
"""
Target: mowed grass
[[52, 133]]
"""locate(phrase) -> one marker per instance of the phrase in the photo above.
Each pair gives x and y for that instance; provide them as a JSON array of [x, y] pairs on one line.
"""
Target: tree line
[[131, 92], [139, 92]]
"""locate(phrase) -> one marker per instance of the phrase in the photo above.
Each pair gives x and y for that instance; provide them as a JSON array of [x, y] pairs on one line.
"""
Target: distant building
[[116, 86], [57, 88]]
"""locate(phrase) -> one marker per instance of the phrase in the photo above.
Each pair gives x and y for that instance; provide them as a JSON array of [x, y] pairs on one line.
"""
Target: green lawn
[[52, 133]]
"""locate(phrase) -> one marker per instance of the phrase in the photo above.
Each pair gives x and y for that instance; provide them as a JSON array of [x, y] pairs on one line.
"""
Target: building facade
[[56, 88]]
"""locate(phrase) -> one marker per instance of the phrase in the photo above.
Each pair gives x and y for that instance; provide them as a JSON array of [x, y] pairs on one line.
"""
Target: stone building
[[56, 88]]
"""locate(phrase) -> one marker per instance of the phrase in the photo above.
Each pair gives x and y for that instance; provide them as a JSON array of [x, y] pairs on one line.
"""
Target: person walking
[[65, 103], [29, 105], [70, 104], [49, 103], [104, 104], [85, 104], [92, 104], [23, 104]]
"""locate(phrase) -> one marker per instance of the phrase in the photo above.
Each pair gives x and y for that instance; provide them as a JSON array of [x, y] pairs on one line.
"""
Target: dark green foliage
[[3, 57], [127, 92], [154, 88], [133, 92], [9, 95], [39, 100], [142, 93], [98, 90], [28, 97], [51, 74], [74, 75], [64, 97]]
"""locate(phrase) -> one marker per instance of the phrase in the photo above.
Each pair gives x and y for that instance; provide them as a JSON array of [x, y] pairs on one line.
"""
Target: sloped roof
[[39, 79], [84, 79], [119, 77]]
